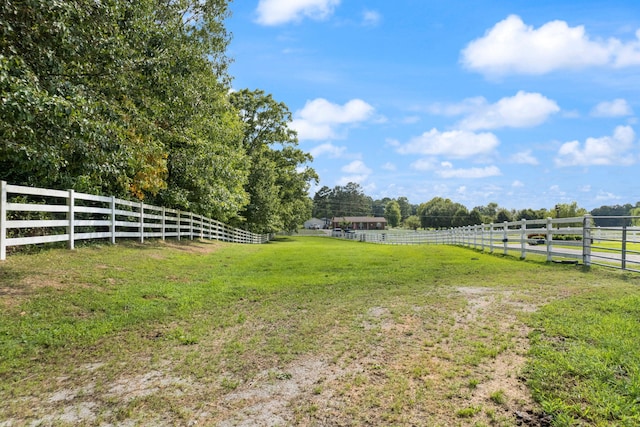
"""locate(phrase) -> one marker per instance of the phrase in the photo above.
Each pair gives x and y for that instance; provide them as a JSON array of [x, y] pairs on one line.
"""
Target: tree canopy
[[133, 99]]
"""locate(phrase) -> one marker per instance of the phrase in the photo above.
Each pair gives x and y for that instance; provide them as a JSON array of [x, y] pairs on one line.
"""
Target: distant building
[[314, 224], [359, 222]]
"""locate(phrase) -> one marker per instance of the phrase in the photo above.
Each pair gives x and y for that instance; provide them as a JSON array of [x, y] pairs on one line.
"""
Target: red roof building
[[359, 222]]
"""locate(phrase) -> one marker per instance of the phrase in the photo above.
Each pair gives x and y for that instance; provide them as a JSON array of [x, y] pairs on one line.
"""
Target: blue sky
[[523, 103]]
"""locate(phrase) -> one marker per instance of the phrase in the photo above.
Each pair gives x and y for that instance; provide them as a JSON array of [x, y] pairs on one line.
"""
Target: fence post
[[624, 246], [491, 238], [190, 226], [523, 239], [586, 240], [549, 238], [164, 223], [113, 220], [71, 218], [141, 222], [3, 220], [178, 225], [505, 237]]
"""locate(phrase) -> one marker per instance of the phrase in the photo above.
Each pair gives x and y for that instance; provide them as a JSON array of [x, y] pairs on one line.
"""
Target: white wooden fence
[[557, 239], [31, 216]]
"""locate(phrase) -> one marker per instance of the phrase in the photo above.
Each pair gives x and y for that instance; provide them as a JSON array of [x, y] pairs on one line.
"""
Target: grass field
[[314, 331]]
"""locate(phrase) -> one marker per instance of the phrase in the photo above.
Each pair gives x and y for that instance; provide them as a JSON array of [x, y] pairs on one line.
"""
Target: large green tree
[[279, 176], [438, 213], [392, 213], [121, 97]]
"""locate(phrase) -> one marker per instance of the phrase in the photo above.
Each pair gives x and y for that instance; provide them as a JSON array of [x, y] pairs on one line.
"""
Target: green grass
[[388, 335], [586, 365]]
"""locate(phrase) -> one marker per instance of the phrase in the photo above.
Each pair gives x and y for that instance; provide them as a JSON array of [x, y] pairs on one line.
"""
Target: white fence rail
[[562, 239], [31, 216]]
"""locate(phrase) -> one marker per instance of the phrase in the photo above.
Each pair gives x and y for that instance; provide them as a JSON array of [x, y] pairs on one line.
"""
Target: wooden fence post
[[3, 220], [549, 238], [178, 225], [141, 222], [505, 237], [491, 238], [624, 246], [164, 223], [586, 240], [71, 219], [113, 220]]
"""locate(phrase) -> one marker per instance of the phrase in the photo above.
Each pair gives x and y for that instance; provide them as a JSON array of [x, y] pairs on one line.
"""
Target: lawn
[[313, 331]]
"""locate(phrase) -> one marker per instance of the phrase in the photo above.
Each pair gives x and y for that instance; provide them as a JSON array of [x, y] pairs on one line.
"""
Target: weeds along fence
[[576, 239], [30, 216]]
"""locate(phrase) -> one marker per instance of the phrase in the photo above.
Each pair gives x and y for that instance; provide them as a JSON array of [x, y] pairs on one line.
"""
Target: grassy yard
[[314, 331]]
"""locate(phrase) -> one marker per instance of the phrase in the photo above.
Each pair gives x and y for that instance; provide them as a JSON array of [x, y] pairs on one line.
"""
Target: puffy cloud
[[616, 108], [276, 12], [519, 111], [524, 158], [357, 172], [389, 166], [472, 173], [627, 55], [607, 150], [511, 46], [328, 149], [517, 184], [356, 167], [319, 118], [524, 109], [456, 143]]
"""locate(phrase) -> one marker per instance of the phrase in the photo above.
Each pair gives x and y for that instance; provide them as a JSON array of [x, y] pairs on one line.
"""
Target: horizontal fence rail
[[575, 239], [30, 216]]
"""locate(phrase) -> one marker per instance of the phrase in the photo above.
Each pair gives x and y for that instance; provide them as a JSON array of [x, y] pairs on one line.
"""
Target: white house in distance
[[314, 224]]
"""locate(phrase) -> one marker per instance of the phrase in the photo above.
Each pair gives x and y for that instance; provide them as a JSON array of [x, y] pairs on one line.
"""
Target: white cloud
[[356, 167], [511, 46], [389, 167], [606, 150], [320, 118], [371, 17], [456, 143], [276, 12], [519, 111], [357, 172], [524, 158], [616, 108], [472, 173], [517, 184], [627, 54], [328, 149]]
